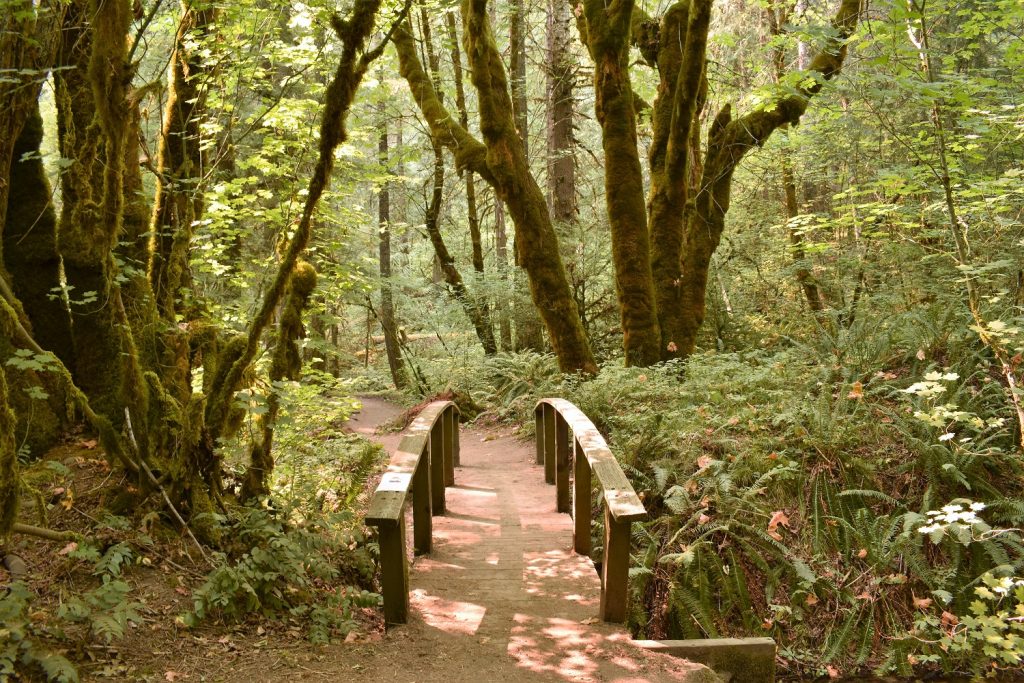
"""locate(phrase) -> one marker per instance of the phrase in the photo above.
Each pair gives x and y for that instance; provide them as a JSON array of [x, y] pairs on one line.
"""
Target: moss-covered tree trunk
[[178, 203], [608, 29], [729, 141], [91, 95], [502, 164], [432, 220], [30, 243], [387, 303], [472, 212], [8, 464], [681, 47]]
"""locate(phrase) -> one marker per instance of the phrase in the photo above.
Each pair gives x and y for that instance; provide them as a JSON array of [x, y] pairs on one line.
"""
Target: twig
[[48, 534]]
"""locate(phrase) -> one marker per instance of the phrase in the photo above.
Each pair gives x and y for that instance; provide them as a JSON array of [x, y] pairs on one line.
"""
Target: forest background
[[772, 249]]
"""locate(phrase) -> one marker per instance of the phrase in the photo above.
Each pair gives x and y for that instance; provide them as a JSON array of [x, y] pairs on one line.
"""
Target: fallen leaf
[[703, 519], [857, 391], [69, 548], [920, 354], [703, 461], [779, 517], [922, 603], [174, 675], [832, 671], [864, 596], [950, 620], [811, 600], [862, 553], [911, 660], [589, 620], [351, 637]]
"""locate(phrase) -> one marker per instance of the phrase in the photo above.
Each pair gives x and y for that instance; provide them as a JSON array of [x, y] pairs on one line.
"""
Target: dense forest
[[773, 249]]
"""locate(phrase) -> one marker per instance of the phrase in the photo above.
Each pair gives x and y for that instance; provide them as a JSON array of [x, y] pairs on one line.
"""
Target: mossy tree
[[500, 161], [689, 193], [134, 344]]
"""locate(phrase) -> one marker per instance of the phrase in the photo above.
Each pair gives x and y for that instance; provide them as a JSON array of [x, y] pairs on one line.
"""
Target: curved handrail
[[591, 457], [423, 464]]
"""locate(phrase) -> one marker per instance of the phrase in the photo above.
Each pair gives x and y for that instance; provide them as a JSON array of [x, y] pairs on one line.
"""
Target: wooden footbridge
[[497, 583]]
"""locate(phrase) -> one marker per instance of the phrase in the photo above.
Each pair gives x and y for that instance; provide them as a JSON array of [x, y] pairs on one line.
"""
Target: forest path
[[502, 596]]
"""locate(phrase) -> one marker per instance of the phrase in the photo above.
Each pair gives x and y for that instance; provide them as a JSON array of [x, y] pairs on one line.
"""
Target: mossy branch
[[753, 129], [469, 152], [354, 33]]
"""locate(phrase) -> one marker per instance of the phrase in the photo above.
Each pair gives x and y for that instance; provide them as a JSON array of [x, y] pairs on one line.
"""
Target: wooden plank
[[394, 572], [386, 507], [454, 413], [562, 493], [422, 520], [445, 426], [581, 501], [538, 417], [437, 469], [549, 444], [615, 570]]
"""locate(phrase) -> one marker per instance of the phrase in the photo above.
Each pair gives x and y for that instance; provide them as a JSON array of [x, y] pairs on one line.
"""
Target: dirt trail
[[502, 597]]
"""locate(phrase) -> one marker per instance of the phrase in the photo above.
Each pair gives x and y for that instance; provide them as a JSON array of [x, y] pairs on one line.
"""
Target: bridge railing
[[423, 465], [591, 458]]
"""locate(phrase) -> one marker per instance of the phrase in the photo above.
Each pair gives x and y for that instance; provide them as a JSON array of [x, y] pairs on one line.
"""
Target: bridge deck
[[502, 597]]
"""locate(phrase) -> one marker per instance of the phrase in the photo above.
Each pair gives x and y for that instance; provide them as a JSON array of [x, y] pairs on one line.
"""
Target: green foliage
[[19, 650], [281, 569]]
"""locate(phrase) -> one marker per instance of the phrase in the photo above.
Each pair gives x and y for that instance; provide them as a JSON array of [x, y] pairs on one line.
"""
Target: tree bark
[[180, 164], [561, 164], [608, 28], [444, 260], [501, 163], [387, 304]]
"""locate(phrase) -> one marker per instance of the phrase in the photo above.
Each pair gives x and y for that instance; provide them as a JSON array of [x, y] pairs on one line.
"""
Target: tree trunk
[[178, 203], [91, 131], [387, 305], [472, 214], [444, 260], [561, 161], [30, 244], [608, 29], [728, 142], [501, 256], [501, 163], [778, 15]]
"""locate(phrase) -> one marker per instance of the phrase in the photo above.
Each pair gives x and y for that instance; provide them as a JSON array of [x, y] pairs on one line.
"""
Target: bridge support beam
[[437, 468], [581, 500], [394, 572], [615, 571]]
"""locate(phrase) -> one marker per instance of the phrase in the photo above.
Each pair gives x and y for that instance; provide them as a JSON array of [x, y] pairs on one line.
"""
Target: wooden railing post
[[422, 522], [580, 501], [394, 570], [437, 468], [549, 444], [538, 416], [615, 570], [453, 415], [449, 452], [562, 493]]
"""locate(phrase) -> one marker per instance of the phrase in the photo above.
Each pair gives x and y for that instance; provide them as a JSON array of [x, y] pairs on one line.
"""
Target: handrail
[[423, 464], [591, 456]]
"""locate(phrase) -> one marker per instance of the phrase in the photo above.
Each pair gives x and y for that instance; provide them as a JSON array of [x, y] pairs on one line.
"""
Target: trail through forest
[[502, 597]]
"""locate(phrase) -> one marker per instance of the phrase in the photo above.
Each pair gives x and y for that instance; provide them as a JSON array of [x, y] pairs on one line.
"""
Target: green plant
[[282, 569], [20, 649]]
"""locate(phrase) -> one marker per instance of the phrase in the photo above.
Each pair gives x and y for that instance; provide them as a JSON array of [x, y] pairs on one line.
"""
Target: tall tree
[[500, 161], [387, 304]]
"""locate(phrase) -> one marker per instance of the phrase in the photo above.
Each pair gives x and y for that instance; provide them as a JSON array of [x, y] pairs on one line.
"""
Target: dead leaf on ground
[[922, 603], [856, 391], [832, 671], [589, 620], [69, 548], [779, 518], [90, 444], [174, 675]]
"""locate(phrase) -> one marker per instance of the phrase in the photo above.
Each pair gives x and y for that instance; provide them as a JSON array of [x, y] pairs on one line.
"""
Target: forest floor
[[501, 597]]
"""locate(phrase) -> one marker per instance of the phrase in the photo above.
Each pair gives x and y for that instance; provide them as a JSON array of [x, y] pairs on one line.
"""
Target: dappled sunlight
[[457, 618]]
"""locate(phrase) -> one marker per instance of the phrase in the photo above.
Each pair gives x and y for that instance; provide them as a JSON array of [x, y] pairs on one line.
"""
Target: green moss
[[8, 463]]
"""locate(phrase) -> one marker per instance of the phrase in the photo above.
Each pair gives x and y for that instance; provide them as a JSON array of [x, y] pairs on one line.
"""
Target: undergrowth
[[787, 487]]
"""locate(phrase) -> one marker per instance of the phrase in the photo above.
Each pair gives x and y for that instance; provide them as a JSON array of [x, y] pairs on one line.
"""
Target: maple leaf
[[779, 518], [832, 671], [922, 603]]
